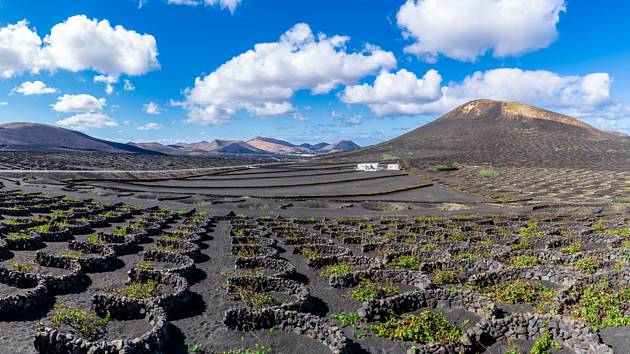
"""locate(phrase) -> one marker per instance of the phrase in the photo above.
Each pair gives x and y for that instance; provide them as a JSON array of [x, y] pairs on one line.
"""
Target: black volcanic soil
[[89, 161], [202, 320]]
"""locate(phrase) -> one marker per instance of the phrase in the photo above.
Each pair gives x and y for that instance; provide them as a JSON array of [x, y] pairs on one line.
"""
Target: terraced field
[[80, 275], [94, 161]]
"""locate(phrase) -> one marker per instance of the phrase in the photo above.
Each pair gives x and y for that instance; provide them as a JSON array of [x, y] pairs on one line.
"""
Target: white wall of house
[[370, 166]]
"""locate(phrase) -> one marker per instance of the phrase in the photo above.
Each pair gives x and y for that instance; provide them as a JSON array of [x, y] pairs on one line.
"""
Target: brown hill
[[222, 147], [277, 146], [485, 131], [42, 137]]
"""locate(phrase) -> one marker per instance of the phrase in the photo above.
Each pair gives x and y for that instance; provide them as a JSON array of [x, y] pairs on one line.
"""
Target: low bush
[[426, 327]]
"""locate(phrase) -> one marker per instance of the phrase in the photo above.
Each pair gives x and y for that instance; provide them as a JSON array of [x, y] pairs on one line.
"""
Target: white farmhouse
[[368, 166]]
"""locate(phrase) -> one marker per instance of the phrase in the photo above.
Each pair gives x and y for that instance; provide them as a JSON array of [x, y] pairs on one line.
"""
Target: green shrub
[[96, 240], [368, 290], [525, 261], [601, 307], [442, 277], [89, 324], [346, 319], [544, 343], [523, 244], [140, 290], [488, 173], [444, 168], [622, 232], [587, 265], [17, 236], [256, 299], [458, 236], [428, 247], [520, 292], [426, 327], [24, 267], [572, 249], [336, 269], [407, 262], [144, 266]]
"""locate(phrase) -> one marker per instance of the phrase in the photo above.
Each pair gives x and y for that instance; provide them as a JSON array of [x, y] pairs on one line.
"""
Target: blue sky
[[365, 70]]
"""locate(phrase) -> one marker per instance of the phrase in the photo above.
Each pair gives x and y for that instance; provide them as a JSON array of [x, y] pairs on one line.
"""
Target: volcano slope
[[512, 151]]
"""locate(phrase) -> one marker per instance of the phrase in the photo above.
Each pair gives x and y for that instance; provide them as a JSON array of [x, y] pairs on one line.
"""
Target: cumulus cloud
[[224, 4], [152, 108], [396, 94], [3, 103], [79, 43], [28, 88], [79, 103], [465, 30], [20, 50], [150, 126], [263, 80], [86, 121], [108, 80], [391, 93]]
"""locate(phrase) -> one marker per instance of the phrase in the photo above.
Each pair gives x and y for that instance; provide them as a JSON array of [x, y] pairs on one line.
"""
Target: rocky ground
[[82, 274]]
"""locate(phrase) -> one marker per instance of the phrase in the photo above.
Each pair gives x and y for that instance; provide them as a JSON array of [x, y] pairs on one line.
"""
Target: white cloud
[[128, 86], [184, 2], [77, 44], [20, 50], [79, 103], [86, 121], [395, 94], [3, 103], [224, 4], [229, 4], [28, 88], [465, 30], [81, 43], [152, 108], [391, 92], [263, 80], [107, 79], [150, 126]]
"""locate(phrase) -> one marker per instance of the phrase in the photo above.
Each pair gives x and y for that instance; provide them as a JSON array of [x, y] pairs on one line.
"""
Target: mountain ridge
[[37, 137], [25, 136]]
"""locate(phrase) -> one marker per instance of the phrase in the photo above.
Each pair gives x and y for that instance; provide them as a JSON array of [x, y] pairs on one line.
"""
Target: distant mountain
[[277, 146], [223, 147], [256, 146], [42, 137], [343, 145], [316, 147]]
